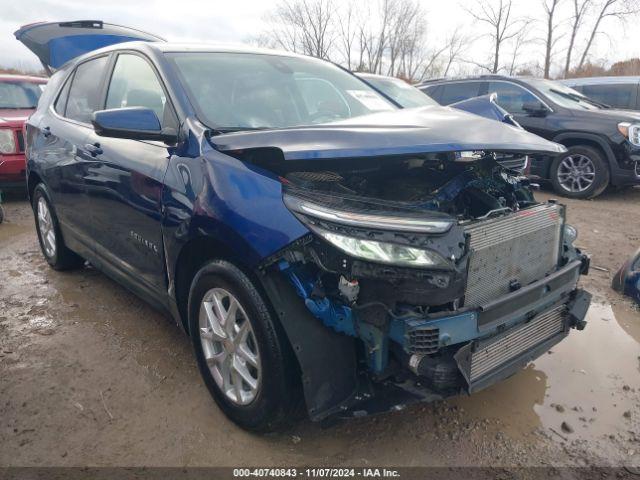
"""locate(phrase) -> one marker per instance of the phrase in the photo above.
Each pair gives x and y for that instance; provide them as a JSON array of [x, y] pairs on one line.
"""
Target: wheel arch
[[32, 182], [193, 255], [574, 139]]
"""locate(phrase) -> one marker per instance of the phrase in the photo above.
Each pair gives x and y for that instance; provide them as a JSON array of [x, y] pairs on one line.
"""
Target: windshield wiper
[[222, 130], [580, 98]]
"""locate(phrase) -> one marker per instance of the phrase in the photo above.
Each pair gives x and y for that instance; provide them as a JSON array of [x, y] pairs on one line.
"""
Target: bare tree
[[618, 9], [519, 41], [550, 8], [347, 33], [304, 26], [580, 10], [457, 44], [503, 26]]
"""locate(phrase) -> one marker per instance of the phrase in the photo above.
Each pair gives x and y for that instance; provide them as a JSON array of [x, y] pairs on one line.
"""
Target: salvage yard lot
[[90, 375]]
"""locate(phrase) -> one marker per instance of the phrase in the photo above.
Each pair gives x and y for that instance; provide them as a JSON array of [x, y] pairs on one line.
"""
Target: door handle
[[93, 149], [46, 132]]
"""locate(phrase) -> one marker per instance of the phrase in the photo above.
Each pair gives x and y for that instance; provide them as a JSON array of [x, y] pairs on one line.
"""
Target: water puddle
[[590, 381]]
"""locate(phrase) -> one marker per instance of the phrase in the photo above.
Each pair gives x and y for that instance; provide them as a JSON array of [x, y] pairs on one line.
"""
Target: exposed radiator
[[513, 250], [492, 353]]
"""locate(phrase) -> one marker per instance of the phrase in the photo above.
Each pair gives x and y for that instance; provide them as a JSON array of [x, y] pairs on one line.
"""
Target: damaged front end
[[427, 270], [441, 269]]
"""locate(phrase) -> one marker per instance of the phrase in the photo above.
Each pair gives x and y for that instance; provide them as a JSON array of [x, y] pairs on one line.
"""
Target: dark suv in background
[[617, 92], [603, 144]]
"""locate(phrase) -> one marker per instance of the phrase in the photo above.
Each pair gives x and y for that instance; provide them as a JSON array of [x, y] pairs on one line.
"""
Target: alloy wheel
[[47, 230], [576, 173], [229, 346]]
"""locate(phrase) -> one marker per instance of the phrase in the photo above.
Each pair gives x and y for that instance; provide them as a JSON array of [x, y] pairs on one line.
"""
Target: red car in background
[[19, 96]]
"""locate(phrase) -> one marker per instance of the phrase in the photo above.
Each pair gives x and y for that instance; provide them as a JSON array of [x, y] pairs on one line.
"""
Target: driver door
[[125, 181], [512, 98]]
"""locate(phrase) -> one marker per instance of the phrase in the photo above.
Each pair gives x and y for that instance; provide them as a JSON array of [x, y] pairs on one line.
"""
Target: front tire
[[52, 244], [580, 173], [242, 353]]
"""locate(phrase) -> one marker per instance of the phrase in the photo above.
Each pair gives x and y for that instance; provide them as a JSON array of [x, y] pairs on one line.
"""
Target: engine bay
[[465, 188]]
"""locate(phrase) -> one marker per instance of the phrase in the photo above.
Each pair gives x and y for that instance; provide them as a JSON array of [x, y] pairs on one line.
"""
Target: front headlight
[[7, 141], [631, 132], [383, 252], [367, 220]]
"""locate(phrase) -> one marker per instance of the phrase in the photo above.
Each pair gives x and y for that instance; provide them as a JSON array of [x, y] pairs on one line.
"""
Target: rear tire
[[580, 173], [255, 383], [52, 244]]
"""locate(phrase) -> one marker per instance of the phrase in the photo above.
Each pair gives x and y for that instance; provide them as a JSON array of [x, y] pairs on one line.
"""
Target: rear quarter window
[[621, 95], [61, 102], [85, 92]]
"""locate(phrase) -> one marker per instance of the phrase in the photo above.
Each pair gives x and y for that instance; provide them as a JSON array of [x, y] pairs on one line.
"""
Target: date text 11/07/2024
[[316, 472]]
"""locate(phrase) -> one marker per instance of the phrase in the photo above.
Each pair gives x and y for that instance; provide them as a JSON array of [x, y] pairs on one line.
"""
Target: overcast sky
[[237, 20]]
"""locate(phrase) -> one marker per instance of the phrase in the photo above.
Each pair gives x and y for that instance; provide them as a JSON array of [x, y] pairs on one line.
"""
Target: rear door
[[55, 43], [125, 181], [61, 143]]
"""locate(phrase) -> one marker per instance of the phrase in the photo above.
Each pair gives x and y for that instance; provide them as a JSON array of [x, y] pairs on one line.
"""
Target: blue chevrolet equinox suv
[[324, 249]]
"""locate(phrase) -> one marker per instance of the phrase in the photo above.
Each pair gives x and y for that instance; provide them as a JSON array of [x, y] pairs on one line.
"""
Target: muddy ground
[[90, 375]]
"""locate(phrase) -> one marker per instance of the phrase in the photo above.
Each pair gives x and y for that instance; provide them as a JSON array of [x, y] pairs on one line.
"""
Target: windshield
[[565, 96], [401, 92], [239, 91], [18, 95]]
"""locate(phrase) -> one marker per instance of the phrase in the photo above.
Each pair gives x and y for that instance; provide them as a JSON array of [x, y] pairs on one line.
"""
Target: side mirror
[[134, 123], [535, 109]]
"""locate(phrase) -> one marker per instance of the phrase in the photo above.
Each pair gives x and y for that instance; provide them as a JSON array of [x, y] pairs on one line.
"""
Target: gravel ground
[[91, 375]]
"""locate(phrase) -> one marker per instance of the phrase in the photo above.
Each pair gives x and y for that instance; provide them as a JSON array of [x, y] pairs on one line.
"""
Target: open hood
[[398, 132], [55, 43]]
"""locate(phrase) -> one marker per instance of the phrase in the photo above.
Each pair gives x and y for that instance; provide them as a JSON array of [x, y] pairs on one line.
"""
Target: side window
[[511, 97], [84, 94], [456, 92], [61, 103], [618, 95], [135, 84]]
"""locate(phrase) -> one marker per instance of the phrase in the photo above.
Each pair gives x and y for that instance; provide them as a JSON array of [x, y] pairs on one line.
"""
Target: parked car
[[408, 96], [603, 144], [19, 96], [617, 92], [317, 243]]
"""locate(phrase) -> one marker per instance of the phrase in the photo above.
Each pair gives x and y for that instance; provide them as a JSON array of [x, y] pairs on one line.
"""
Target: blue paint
[[338, 317], [453, 329], [627, 279], [63, 49], [131, 118], [399, 132], [485, 106]]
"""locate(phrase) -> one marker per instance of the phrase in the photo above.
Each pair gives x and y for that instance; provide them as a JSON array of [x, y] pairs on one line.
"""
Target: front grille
[[424, 340], [20, 138], [511, 251], [493, 353]]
